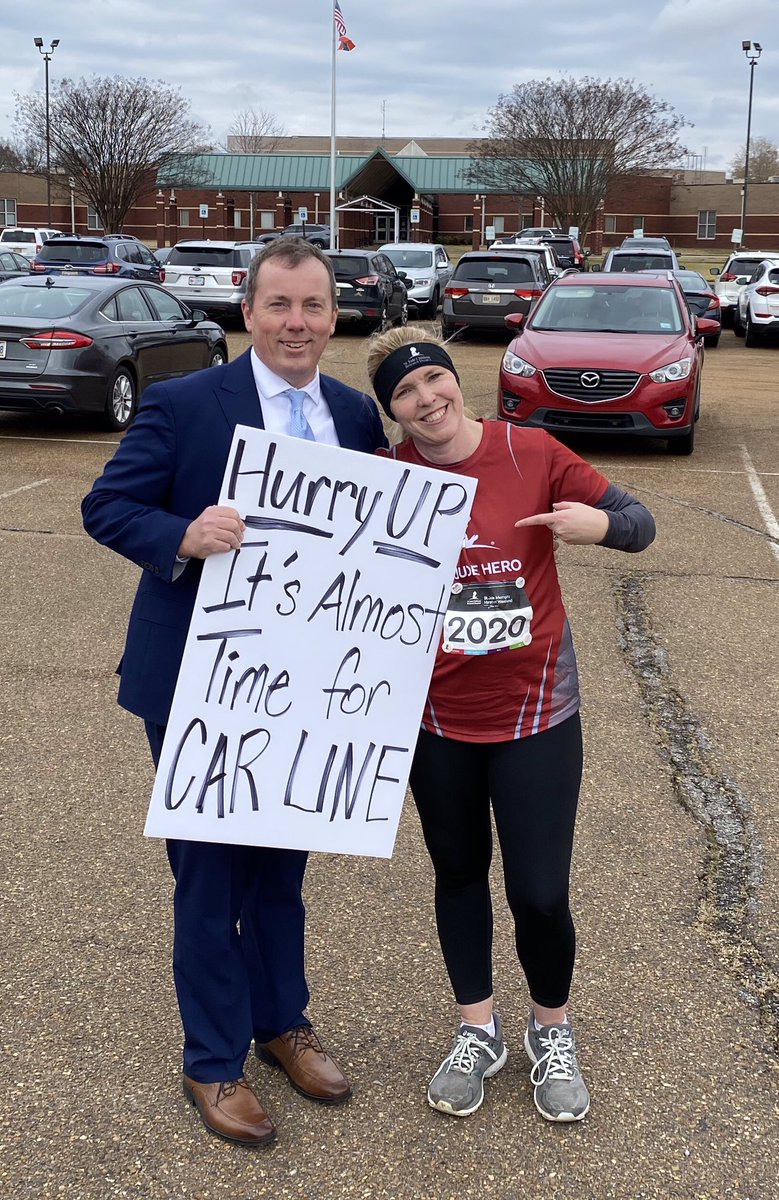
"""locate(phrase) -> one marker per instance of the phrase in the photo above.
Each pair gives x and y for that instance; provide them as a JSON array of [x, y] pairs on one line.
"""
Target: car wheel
[[447, 330], [728, 316], [121, 400], [431, 308], [712, 342], [682, 445], [738, 328], [218, 357], [318, 244], [751, 337], [403, 318]]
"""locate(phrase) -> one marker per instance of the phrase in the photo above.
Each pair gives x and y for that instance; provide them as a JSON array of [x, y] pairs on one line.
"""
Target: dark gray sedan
[[12, 265], [91, 345]]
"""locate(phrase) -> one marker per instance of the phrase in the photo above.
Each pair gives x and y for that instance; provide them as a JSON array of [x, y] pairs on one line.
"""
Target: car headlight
[[517, 366], [420, 282], [673, 372]]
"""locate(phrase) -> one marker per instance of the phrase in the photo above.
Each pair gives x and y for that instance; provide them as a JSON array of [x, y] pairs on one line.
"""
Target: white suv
[[542, 249], [756, 311], [427, 269], [736, 272], [25, 240], [210, 275]]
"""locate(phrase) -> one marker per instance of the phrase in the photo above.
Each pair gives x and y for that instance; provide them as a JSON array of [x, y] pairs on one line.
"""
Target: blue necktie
[[298, 425]]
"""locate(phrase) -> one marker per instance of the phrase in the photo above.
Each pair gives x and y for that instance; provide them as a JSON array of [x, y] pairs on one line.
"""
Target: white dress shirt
[[272, 390]]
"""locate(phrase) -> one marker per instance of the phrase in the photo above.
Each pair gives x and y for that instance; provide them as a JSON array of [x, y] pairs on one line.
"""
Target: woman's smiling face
[[428, 406]]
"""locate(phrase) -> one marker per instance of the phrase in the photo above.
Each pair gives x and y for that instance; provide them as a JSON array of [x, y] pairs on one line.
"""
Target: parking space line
[[610, 468], [24, 488], [766, 512], [13, 437]]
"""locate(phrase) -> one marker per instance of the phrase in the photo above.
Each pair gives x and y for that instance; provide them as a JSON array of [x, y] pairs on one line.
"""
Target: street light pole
[[47, 57], [753, 50]]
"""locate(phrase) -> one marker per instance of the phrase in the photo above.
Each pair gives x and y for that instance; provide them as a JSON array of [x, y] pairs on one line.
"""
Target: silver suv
[[426, 267], [210, 275], [733, 276]]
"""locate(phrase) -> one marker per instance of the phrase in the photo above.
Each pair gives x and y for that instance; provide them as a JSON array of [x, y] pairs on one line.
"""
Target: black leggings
[[533, 784]]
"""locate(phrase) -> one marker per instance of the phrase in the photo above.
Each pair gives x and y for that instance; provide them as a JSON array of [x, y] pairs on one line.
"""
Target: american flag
[[344, 42]]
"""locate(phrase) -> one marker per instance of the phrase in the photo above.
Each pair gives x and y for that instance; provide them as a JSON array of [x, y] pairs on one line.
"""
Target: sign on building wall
[[310, 650]]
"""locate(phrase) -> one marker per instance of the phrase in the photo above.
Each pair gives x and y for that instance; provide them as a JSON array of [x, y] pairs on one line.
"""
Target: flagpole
[[334, 239]]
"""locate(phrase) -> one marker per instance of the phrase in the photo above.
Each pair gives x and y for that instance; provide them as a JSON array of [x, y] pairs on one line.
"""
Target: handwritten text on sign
[[310, 651]]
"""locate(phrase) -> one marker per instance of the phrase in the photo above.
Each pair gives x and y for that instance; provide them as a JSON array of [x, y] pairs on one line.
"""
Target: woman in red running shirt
[[501, 723]]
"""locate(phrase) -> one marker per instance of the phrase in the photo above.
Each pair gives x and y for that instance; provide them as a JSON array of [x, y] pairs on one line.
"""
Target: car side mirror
[[403, 275], [705, 327], [715, 271], [199, 315], [514, 321]]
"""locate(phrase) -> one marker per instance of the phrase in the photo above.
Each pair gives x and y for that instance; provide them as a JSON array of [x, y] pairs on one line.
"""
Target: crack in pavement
[[712, 512], [731, 871]]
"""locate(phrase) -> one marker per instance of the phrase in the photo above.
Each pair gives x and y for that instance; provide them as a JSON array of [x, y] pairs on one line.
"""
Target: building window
[[183, 216], [267, 220], [498, 224], [707, 224], [527, 220], [610, 223], [237, 218], [93, 221], [8, 212], [468, 224], [638, 227]]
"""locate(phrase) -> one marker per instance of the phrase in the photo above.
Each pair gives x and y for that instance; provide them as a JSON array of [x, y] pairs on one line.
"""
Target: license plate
[[489, 298], [196, 281], [2, 349]]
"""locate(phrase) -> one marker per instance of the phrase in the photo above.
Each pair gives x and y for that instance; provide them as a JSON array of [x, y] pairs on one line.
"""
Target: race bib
[[482, 618]]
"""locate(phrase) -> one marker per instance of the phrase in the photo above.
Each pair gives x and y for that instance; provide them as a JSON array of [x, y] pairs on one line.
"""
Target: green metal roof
[[311, 172]]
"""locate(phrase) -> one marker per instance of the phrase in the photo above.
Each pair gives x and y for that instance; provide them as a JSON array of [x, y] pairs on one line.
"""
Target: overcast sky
[[437, 65]]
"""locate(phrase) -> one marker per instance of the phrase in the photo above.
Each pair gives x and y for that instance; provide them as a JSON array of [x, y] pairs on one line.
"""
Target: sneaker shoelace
[[465, 1054], [559, 1062]]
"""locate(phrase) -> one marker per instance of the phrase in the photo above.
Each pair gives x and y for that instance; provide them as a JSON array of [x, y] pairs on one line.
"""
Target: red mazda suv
[[606, 353]]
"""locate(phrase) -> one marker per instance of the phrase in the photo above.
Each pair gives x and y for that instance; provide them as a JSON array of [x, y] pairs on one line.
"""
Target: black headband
[[403, 360]]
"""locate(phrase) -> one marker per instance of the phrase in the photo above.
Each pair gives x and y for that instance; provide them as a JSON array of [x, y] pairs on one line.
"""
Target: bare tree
[[23, 155], [763, 160], [110, 134], [254, 131], [568, 140]]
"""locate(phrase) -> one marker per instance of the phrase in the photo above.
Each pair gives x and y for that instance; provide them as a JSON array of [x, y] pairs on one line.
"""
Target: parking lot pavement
[[675, 885]]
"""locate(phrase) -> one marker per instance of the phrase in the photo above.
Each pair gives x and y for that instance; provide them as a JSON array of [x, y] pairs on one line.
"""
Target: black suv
[[487, 285], [108, 254], [569, 252]]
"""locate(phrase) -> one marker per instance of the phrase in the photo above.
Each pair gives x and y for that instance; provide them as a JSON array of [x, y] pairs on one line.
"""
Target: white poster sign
[[203, 211], [310, 650]]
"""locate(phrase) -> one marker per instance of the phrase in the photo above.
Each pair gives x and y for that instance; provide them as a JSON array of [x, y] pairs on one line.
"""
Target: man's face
[[292, 319]]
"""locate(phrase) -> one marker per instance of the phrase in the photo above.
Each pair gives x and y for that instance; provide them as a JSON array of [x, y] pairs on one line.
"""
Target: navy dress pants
[[238, 939]]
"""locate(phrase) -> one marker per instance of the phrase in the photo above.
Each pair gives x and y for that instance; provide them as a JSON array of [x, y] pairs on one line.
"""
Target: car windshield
[[41, 303], [73, 252], [347, 266], [201, 256], [642, 262], [410, 258], [617, 309], [502, 273], [17, 235]]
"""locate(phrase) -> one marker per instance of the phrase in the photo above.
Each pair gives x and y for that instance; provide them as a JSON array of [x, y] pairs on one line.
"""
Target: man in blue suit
[[238, 957]]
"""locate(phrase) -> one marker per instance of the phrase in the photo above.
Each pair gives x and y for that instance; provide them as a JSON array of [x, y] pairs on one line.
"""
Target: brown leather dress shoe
[[310, 1069], [231, 1111]]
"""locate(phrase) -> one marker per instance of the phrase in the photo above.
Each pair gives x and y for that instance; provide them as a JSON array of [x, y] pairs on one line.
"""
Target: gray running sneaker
[[560, 1093], [458, 1085]]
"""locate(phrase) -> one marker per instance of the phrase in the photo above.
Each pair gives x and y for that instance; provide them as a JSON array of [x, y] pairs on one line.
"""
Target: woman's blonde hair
[[403, 335]]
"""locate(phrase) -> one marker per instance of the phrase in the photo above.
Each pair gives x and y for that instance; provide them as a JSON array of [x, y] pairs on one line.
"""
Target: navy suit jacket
[[168, 468]]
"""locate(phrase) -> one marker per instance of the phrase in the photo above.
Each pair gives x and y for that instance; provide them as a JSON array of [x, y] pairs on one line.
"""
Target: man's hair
[[289, 252], [402, 335]]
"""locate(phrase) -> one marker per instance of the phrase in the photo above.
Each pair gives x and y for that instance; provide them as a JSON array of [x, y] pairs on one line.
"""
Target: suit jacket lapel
[[237, 394], [341, 411]]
